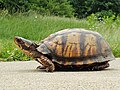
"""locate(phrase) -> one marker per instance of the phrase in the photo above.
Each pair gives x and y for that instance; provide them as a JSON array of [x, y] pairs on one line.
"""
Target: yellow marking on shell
[[79, 62], [89, 61], [90, 44], [57, 39], [60, 62], [56, 44], [67, 62], [52, 45], [72, 47], [104, 46], [67, 50], [86, 50], [93, 50], [59, 46], [59, 50], [72, 53]]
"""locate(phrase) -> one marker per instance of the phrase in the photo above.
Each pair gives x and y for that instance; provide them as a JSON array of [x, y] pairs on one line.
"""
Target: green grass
[[37, 27]]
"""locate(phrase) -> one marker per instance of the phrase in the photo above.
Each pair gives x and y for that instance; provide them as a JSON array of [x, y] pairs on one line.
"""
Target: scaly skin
[[46, 63], [29, 48]]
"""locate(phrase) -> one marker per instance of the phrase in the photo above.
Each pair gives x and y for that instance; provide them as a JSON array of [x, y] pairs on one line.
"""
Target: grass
[[36, 28]]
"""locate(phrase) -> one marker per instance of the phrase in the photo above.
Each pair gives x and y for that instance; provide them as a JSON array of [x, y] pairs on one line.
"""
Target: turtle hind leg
[[100, 66]]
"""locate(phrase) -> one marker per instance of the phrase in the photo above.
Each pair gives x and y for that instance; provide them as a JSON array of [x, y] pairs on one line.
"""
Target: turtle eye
[[20, 41], [31, 47]]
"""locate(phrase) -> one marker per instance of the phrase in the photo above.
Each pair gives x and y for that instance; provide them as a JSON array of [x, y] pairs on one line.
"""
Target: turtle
[[69, 49]]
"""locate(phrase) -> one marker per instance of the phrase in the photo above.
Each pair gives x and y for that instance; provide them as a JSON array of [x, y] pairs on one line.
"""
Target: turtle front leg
[[47, 63], [41, 66]]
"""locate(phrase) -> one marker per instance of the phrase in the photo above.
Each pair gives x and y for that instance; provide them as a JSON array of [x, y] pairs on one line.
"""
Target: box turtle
[[69, 49]]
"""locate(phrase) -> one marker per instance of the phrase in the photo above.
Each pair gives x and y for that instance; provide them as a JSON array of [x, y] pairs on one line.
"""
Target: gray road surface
[[24, 76]]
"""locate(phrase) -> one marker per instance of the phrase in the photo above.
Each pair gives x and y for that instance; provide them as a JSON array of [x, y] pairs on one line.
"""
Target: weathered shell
[[76, 47]]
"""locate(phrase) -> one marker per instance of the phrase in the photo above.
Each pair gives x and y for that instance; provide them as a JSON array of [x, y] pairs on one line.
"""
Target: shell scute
[[78, 47]]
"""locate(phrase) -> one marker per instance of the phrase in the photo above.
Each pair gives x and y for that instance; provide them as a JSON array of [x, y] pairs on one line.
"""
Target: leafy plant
[[43, 7], [36, 27], [101, 8]]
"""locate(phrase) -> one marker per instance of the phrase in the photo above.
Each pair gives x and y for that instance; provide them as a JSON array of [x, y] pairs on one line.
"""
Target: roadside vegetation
[[36, 19], [36, 27]]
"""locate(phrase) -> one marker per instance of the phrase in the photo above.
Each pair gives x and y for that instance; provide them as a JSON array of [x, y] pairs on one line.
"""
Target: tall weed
[[36, 28]]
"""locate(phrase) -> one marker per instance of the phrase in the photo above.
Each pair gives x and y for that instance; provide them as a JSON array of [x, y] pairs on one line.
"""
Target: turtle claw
[[50, 68], [40, 67]]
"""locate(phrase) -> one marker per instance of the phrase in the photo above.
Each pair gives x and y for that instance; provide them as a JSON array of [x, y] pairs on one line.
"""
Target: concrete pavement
[[24, 76]]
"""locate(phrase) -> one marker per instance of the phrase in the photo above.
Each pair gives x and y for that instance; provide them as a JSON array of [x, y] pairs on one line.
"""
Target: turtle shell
[[76, 47]]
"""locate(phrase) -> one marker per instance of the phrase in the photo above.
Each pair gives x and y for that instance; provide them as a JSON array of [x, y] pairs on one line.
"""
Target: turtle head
[[27, 46]]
